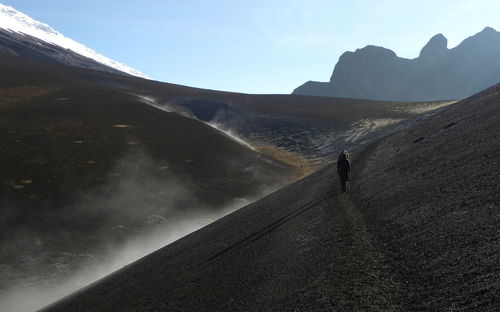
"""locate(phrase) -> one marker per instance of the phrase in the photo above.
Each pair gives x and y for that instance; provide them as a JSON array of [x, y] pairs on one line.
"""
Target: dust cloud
[[142, 207], [230, 133], [152, 101]]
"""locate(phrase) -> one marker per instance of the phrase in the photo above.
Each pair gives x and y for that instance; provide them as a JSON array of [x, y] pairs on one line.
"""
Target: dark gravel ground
[[419, 231], [432, 195], [287, 252]]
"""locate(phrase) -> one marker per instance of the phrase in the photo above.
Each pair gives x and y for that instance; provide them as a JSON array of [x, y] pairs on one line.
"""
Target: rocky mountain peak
[[488, 30], [438, 73], [437, 46]]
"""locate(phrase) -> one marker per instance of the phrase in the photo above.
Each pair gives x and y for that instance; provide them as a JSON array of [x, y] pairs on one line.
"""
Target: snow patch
[[18, 22]]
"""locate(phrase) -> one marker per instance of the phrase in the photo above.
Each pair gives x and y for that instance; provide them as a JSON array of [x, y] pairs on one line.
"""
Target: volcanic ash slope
[[419, 231], [432, 193]]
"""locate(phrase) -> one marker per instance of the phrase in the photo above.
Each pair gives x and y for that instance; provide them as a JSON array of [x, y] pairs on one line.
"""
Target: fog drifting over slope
[[139, 209]]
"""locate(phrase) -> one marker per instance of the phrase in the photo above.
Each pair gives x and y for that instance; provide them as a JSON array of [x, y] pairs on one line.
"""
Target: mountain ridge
[[19, 27], [438, 73]]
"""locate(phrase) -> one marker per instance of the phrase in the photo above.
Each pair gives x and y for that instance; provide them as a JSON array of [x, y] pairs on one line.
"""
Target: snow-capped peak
[[15, 21]]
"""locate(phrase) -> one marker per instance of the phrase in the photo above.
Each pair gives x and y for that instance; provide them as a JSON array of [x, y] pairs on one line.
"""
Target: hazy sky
[[257, 46]]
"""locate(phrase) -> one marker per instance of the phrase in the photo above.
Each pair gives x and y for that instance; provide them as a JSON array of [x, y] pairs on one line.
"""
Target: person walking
[[343, 170]]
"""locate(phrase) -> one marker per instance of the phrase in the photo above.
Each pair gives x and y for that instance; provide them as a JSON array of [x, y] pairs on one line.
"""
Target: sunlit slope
[[418, 231], [23, 36]]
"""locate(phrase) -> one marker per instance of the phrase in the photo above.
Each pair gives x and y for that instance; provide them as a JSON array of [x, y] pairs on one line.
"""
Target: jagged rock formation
[[438, 73]]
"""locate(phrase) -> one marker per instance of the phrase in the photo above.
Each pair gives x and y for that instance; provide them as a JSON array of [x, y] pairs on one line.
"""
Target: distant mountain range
[[438, 73], [23, 36]]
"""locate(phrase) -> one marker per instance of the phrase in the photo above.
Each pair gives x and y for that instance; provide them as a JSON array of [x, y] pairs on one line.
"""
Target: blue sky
[[255, 46]]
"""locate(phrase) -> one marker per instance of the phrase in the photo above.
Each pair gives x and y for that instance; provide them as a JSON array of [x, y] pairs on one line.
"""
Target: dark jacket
[[343, 165]]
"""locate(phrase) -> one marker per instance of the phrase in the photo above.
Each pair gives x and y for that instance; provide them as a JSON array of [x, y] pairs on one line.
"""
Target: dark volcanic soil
[[419, 231], [303, 248], [433, 193]]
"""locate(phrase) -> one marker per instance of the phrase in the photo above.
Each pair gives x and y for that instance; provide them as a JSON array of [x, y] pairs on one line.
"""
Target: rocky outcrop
[[435, 48], [438, 73]]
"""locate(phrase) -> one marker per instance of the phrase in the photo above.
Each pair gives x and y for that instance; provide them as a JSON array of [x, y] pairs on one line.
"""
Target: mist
[[217, 121], [142, 206], [34, 298], [152, 101], [231, 133]]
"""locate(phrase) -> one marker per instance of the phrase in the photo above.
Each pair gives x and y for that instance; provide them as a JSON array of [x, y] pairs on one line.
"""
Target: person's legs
[[343, 183], [344, 179]]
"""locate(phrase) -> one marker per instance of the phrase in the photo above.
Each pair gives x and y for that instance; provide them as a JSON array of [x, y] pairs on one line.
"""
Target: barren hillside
[[419, 231]]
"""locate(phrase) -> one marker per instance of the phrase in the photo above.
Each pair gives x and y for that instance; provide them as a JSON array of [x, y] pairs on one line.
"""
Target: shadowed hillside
[[85, 168], [419, 231]]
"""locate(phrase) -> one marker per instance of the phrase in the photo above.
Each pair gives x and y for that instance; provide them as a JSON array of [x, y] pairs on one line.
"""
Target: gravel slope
[[419, 231], [432, 195]]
